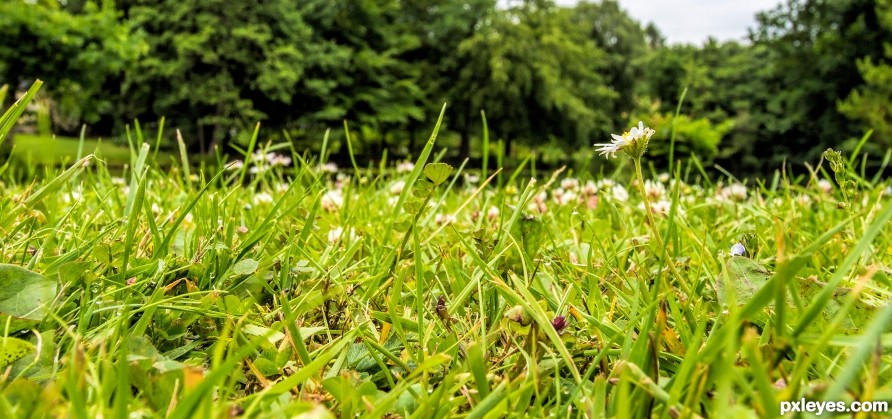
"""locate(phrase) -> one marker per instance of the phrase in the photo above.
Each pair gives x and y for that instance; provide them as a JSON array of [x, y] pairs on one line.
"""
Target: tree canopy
[[813, 73]]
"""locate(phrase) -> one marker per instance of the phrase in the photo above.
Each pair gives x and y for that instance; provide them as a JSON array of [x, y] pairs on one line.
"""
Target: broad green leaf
[[437, 172], [245, 267], [413, 206], [25, 296], [746, 277], [12, 349]]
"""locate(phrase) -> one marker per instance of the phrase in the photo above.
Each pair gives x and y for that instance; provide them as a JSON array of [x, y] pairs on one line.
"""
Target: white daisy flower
[[620, 142]]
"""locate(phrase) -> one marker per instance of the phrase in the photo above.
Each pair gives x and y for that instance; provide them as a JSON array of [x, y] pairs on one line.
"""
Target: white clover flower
[[235, 165], [275, 159], [619, 193], [404, 167], [188, 221], [328, 168], [629, 138], [804, 200], [72, 196], [493, 213], [118, 180], [737, 192], [257, 169], [825, 186], [570, 183], [662, 207], [540, 197], [664, 177], [281, 187], [332, 200], [341, 180], [654, 190], [738, 250], [258, 156], [262, 198], [566, 198], [444, 219], [397, 187], [606, 184], [590, 188], [335, 234]]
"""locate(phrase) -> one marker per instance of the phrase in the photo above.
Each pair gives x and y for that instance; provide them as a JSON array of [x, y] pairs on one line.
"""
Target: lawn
[[280, 286], [35, 149]]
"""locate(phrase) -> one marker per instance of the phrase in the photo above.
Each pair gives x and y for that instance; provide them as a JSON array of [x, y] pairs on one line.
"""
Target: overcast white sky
[[692, 21]]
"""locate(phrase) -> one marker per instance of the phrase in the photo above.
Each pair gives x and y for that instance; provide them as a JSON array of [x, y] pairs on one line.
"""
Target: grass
[[280, 288], [35, 149]]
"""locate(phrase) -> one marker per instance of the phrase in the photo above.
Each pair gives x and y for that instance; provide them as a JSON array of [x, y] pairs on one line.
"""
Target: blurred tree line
[[814, 74]]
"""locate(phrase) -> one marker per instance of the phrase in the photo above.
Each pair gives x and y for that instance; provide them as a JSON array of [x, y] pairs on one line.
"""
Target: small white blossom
[[493, 213], [619, 142], [619, 193], [328, 168], [337, 233], [397, 187], [738, 250], [735, 192], [590, 188], [275, 159], [262, 198], [444, 219], [825, 186], [404, 167], [570, 183], [566, 198], [654, 190], [332, 200]]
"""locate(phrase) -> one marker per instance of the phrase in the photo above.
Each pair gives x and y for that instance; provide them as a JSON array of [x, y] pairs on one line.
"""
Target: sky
[[692, 21]]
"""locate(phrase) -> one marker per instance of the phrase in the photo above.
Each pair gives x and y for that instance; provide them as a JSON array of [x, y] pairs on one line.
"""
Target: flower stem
[[653, 227]]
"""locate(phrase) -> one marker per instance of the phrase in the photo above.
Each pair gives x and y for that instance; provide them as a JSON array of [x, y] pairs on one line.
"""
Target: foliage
[[871, 102], [214, 67], [811, 76], [80, 55], [535, 74]]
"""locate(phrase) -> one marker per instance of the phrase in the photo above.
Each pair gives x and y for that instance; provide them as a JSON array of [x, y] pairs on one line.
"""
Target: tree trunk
[[464, 143]]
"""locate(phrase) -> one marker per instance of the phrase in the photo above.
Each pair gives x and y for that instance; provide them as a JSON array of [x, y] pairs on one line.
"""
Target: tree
[[872, 102], [215, 67], [623, 42], [361, 75], [814, 47], [536, 76], [78, 55]]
